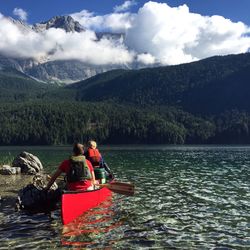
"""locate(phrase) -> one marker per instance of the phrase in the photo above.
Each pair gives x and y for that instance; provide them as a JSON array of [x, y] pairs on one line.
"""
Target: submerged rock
[[28, 163]]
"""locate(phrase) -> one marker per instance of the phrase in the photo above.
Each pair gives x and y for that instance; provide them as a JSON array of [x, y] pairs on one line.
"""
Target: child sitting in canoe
[[100, 167]]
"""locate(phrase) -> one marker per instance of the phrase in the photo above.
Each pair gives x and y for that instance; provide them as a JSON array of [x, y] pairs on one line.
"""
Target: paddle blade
[[121, 188]]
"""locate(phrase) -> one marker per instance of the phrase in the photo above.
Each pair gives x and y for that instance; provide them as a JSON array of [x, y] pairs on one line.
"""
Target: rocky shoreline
[[22, 182], [19, 173], [11, 184], [24, 163]]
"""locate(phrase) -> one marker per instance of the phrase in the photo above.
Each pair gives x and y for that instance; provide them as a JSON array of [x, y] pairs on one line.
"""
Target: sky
[[164, 32]]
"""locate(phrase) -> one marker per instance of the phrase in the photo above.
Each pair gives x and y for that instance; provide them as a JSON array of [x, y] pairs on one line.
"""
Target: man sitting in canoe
[[94, 156], [79, 171]]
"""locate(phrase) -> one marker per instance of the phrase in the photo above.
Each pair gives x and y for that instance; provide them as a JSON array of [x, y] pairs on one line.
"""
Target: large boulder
[[34, 198], [29, 163]]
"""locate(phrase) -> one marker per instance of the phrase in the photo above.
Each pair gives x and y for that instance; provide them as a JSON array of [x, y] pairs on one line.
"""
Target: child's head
[[92, 144]]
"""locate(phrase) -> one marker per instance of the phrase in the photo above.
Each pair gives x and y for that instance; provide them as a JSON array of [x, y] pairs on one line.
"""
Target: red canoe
[[75, 203]]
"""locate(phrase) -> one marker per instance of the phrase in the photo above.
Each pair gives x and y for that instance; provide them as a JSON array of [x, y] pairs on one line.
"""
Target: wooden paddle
[[120, 187]]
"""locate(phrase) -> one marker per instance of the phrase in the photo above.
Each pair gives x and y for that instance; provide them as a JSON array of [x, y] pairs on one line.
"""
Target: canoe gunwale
[[80, 191]]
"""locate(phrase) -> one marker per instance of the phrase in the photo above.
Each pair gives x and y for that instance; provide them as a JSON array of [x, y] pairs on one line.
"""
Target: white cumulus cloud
[[175, 35], [157, 33], [125, 6], [22, 14], [56, 44], [114, 22], [145, 58]]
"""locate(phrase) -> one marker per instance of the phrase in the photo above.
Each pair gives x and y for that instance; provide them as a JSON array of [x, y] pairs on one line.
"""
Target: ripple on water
[[186, 198]]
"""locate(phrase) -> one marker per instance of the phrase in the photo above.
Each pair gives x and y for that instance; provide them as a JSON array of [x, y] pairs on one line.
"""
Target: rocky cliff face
[[63, 22], [60, 72], [65, 72]]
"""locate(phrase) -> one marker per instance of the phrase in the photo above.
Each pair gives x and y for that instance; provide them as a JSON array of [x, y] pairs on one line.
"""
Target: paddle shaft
[[120, 187]]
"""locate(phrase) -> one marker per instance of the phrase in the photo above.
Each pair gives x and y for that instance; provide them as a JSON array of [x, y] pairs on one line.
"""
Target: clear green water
[[186, 198]]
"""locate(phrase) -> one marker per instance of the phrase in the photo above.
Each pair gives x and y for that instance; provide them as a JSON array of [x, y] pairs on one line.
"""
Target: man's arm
[[53, 178]]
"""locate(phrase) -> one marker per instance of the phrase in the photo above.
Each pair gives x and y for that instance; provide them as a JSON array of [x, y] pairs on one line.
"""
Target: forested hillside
[[16, 86], [209, 86], [202, 102]]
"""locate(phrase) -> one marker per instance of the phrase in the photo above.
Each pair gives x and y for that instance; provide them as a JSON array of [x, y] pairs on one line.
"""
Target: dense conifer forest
[[201, 102]]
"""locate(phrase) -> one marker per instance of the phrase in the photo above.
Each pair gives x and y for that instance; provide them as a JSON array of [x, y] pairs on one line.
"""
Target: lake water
[[187, 197]]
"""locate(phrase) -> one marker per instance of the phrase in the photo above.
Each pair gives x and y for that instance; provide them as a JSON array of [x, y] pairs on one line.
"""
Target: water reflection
[[88, 229]]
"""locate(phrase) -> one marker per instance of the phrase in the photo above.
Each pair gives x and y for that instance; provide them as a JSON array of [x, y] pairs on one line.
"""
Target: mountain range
[[209, 86], [56, 71]]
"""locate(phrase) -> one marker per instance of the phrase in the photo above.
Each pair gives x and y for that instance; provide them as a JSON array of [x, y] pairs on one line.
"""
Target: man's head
[[78, 149]]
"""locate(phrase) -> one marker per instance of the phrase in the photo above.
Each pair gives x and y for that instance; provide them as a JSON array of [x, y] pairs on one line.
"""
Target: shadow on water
[[22, 229]]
